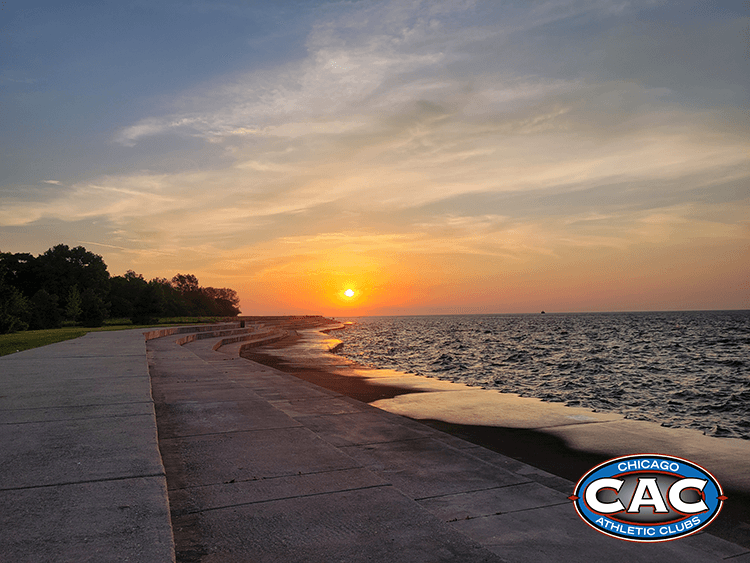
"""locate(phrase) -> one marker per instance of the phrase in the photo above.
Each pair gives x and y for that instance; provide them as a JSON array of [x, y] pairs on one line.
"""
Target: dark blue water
[[681, 369]]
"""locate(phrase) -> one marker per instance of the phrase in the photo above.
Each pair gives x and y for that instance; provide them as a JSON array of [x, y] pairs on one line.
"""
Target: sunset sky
[[449, 156]]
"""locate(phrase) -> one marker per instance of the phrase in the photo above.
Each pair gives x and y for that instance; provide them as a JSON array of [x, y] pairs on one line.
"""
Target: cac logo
[[648, 498]]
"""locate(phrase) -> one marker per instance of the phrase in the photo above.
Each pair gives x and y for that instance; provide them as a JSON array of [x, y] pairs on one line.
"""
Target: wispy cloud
[[382, 114]]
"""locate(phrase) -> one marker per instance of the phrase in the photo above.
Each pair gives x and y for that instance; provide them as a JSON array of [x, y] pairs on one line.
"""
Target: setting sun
[[349, 293]]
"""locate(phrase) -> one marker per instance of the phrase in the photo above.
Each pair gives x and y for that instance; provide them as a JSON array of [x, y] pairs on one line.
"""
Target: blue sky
[[84, 69], [444, 156]]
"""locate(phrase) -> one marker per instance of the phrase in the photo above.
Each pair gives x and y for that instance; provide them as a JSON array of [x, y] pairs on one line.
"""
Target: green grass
[[19, 341], [27, 339]]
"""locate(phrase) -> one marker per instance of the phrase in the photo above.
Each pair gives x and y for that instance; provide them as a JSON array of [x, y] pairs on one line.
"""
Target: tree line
[[73, 285]]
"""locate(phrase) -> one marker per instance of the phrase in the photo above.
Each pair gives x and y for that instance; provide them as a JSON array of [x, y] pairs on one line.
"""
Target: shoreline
[[519, 443], [351, 385], [569, 442]]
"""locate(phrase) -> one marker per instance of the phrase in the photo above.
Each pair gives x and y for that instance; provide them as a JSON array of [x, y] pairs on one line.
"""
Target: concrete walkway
[[260, 466], [81, 478]]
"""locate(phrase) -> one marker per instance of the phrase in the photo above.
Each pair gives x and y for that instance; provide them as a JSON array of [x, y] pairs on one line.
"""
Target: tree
[[74, 283], [93, 309], [73, 308], [14, 309], [149, 305], [186, 283], [173, 303], [194, 301], [19, 271], [61, 267], [124, 291], [44, 311], [226, 301], [200, 301]]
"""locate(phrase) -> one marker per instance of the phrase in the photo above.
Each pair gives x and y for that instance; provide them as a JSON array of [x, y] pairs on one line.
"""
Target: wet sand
[[350, 384], [300, 355]]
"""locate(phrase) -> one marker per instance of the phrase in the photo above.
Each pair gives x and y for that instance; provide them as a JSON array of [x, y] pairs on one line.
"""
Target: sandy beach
[[562, 440]]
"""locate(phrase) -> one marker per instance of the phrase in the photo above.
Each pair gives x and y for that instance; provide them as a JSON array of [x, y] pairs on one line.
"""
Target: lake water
[[680, 369]]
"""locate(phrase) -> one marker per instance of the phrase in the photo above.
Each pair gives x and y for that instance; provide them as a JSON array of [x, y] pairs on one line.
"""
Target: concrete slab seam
[[195, 402], [83, 482], [270, 478], [79, 357], [476, 490], [508, 512], [266, 501], [254, 430], [400, 441], [314, 400], [545, 507], [81, 418], [78, 406]]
